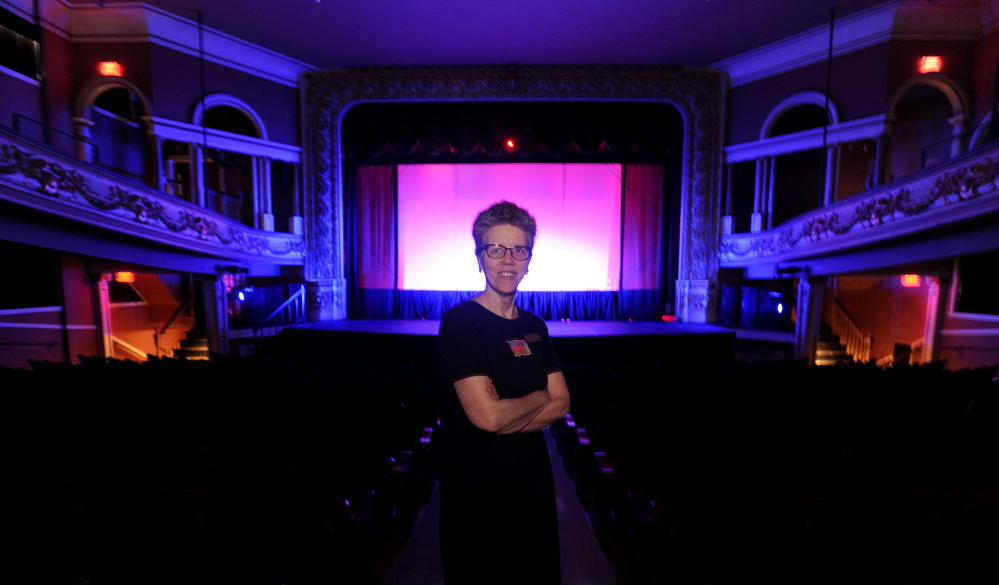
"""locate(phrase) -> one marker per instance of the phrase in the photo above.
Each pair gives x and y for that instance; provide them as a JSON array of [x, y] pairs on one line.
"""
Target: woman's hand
[[557, 407]]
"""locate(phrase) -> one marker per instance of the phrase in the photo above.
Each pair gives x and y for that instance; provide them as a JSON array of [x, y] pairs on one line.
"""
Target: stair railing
[[131, 352], [858, 341], [159, 332], [291, 312]]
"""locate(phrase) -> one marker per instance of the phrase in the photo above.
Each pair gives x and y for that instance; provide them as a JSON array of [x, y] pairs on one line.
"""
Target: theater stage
[[576, 342]]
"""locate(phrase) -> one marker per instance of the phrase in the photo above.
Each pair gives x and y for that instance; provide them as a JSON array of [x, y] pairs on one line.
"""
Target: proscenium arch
[[698, 95], [805, 98]]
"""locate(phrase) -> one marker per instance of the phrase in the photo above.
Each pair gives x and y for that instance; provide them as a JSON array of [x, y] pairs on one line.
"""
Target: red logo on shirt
[[519, 347]]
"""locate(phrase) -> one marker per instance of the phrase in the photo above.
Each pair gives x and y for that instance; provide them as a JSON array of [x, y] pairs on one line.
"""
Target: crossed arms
[[525, 414]]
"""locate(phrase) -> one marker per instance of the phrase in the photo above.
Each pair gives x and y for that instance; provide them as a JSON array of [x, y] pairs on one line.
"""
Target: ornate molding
[[60, 184], [927, 197], [697, 94]]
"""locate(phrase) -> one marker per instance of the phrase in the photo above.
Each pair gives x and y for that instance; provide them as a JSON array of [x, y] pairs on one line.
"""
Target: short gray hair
[[503, 213]]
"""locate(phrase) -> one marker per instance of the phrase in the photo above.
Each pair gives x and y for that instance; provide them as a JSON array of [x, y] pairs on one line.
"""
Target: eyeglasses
[[496, 252]]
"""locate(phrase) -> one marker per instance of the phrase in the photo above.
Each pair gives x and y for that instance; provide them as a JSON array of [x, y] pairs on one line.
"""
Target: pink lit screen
[[577, 207]]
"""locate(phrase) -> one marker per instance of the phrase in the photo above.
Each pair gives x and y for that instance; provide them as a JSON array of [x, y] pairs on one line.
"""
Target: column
[[155, 175], [692, 300], [770, 174], [957, 131], [198, 182], [879, 161], [296, 223], [326, 300], [84, 147], [265, 195], [811, 290], [216, 313], [727, 219], [756, 220], [102, 310], [935, 313], [832, 171]]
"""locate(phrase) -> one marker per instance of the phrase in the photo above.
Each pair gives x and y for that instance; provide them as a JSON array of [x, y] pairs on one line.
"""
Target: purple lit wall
[[577, 207]]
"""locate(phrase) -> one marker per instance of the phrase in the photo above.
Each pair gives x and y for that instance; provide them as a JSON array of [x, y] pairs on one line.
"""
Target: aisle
[[583, 561]]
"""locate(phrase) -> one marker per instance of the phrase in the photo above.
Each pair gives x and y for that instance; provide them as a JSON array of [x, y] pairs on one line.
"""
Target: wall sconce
[[930, 63], [911, 280], [110, 69], [124, 277]]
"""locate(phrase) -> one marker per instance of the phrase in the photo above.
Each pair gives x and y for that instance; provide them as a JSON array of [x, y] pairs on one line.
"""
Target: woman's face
[[504, 275]]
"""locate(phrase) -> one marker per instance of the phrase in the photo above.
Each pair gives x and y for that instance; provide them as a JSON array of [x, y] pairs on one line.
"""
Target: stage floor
[[555, 328], [575, 342]]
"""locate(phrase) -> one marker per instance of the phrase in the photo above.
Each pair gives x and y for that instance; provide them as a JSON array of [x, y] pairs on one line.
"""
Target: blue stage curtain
[[551, 306]]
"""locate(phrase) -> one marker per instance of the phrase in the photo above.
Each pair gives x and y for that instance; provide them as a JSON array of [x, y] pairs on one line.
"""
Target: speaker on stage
[[774, 310], [749, 307], [728, 311]]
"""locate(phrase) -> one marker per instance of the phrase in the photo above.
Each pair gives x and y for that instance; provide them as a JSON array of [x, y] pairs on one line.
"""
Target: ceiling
[[355, 33]]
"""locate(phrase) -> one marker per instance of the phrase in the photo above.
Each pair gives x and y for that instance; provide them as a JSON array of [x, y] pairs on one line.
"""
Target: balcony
[[936, 213], [40, 178]]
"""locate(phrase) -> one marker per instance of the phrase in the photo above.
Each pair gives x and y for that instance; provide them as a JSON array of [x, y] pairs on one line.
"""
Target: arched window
[[112, 115], [798, 180], [927, 115]]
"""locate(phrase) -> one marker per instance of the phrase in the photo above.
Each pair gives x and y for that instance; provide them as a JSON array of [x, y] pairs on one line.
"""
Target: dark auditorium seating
[[784, 473], [279, 467], [262, 470]]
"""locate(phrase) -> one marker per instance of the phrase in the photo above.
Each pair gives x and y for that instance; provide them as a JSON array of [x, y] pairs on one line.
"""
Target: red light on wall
[[110, 68], [124, 277], [930, 63], [911, 280]]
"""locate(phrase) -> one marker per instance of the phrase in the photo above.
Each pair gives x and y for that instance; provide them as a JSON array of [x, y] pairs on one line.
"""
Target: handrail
[[946, 143], [291, 312], [127, 348], [160, 331], [858, 341], [46, 130]]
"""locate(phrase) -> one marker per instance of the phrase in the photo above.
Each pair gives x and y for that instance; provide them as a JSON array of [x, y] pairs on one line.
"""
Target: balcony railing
[[38, 175], [53, 137]]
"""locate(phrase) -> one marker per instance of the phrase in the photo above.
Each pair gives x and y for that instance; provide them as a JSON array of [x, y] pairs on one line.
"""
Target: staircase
[[829, 351], [193, 347]]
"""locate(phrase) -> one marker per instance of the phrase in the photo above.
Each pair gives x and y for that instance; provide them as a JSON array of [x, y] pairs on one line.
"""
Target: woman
[[501, 385]]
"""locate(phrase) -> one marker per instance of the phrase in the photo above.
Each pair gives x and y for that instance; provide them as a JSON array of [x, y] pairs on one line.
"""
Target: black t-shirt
[[497, 493]]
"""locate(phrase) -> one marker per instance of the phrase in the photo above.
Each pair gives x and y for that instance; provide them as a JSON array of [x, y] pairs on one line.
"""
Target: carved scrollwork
[[924, 195], [39, 173], [697, 94]]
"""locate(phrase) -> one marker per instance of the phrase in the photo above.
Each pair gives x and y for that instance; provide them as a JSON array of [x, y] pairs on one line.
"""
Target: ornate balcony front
[[35, 176], [939, 212]]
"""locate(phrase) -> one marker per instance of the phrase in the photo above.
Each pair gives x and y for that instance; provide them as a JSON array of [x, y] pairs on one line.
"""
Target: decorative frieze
[[46, 179], [929, 196]]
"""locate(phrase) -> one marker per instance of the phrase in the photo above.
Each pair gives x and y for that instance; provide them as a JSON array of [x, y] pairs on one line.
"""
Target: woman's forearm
[[514, 414], [555, 409]]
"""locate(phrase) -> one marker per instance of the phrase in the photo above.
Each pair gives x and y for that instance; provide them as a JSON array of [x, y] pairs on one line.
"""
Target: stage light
[[110, 69], [509, 144], [930, 64], [911, 280]]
